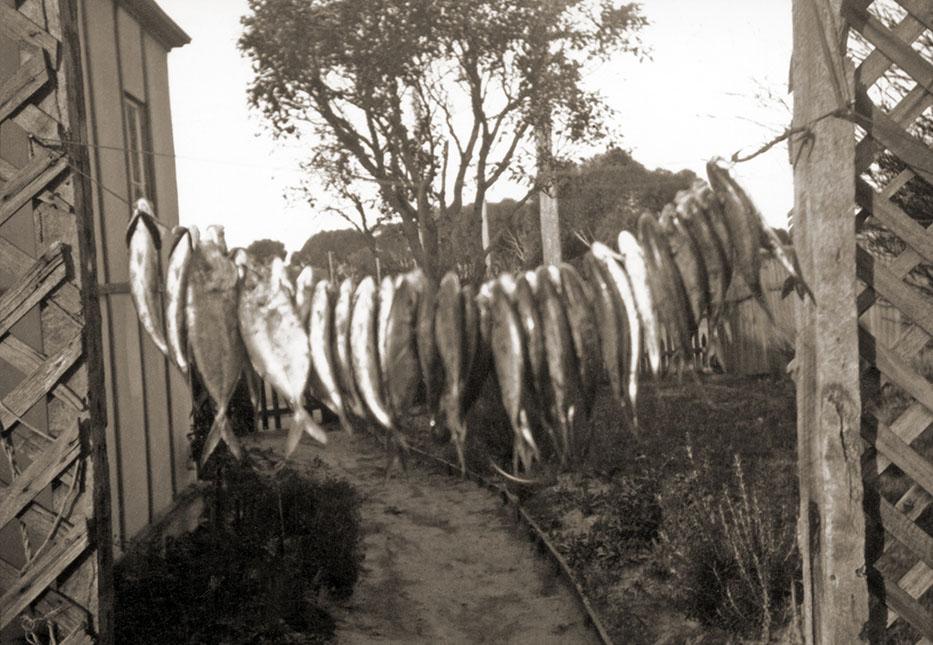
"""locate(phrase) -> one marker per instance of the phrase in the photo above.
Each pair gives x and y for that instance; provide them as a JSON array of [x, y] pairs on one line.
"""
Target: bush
[[253, 573], [729, 551]]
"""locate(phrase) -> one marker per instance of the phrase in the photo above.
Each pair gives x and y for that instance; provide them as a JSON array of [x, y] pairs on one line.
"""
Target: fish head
[[143, 205], [215, 235]]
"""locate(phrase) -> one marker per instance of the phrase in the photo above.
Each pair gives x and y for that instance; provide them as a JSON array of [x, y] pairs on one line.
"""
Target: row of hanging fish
[[381, 352]]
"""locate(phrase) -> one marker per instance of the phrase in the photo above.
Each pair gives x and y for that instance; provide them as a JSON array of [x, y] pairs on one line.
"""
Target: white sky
[[694, 100]]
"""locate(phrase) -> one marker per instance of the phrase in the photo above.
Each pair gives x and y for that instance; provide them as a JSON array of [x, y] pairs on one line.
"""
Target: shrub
[[729, 550], [251, 574]]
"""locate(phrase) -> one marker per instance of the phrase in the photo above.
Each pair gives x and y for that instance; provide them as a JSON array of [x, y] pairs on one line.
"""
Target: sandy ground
[[444, 560]]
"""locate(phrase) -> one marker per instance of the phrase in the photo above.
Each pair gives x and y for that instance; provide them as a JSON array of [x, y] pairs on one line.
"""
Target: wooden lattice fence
[[904, 562], [55, 549], [866, 541]]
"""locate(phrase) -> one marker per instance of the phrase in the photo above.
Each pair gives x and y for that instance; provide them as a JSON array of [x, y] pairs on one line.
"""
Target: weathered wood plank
[[26, 359], [905, 531], [894, 218], [37, 384], [69, 614], [46, 273], [27, 80], [43, 573], [831, 528], [904, 113], [895, 368], [18, 27], [901, 455], [892, 136], [912, 423], [876, 63], [37, 121], [914, 583], [890, 45], [42, 171], [921, 10], [39, 474], [910, 301], [905, 606], [15, 262]]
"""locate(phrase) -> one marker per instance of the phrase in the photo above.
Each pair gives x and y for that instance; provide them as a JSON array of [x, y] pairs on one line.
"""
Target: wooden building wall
[[148, 404]]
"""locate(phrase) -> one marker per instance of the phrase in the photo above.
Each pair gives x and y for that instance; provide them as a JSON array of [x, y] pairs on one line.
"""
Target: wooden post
[[550, 221], [485, 234], [831, 522]]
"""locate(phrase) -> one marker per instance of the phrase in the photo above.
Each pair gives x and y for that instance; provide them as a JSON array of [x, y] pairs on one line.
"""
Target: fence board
[[22, 85]]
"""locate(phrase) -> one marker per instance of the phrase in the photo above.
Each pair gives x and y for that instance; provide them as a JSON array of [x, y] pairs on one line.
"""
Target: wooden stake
[[831, 522], [485, 234], [550, 221], [330, 265]]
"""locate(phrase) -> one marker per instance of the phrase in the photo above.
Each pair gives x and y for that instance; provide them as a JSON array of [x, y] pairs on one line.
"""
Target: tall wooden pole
[[831, 522], [485, 237], [550, 221]]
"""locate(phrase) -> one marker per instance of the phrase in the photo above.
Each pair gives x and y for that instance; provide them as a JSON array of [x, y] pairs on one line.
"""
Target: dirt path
[[444, 560]]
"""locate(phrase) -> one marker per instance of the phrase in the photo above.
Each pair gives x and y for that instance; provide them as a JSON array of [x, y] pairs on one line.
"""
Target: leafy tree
[[266, 249], [412, 101]]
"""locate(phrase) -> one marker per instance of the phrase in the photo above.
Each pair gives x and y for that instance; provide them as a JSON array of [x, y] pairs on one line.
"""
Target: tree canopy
[[415, 106]]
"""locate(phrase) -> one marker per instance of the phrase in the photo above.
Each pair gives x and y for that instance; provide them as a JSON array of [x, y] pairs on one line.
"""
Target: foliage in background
[[414, 105], [266, 249], [253, 575], [598, 197]]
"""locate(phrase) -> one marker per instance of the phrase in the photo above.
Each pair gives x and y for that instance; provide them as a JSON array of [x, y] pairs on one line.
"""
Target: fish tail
[[220, 429], [302, 423]]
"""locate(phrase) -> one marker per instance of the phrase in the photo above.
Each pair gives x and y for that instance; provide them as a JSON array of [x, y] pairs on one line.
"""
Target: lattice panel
[[51, 551], [895, 243]]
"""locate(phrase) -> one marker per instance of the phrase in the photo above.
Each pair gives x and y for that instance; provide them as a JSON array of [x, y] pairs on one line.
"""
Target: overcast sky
[[694, 100]]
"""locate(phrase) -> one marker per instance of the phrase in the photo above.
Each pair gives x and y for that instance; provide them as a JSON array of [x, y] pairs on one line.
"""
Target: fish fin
[[306, 422], [220, 429]]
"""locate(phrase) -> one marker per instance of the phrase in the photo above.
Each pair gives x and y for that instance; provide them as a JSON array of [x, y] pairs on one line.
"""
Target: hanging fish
[[448, 331], [304, 291], [384, 308], [561, 364], [743, 229], [353, 404], [324, 369], [476, 367], [144, 242], [613, 330], [176, 292], [276, 341], [578, 303], [667, 288], [364, 353], [400, 366], [509, 361], [620, 285], [690, 210], [633, 260], [689, 264], [428, 357], [211, 317], [770, 239], [532, 327]]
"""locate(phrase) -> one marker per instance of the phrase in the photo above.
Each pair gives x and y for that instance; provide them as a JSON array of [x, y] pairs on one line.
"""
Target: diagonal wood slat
[[34, 179], [906, 532], [895, 368], [69, 614], [16, 26], [895, 219], [921, 10], [43, 573], [876, 63], [892, 136], [15, 261], [891, 45], [27, 80], [37, 385], [39, 474], [46, 273], [908, 608], [24, 358], [910, 301], [901, 455]]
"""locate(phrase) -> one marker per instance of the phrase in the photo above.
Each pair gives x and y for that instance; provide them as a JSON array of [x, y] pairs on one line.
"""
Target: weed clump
[[729, 551], [252, 572]]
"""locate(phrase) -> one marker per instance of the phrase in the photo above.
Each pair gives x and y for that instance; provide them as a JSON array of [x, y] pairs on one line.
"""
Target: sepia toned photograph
[[466, 321]]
